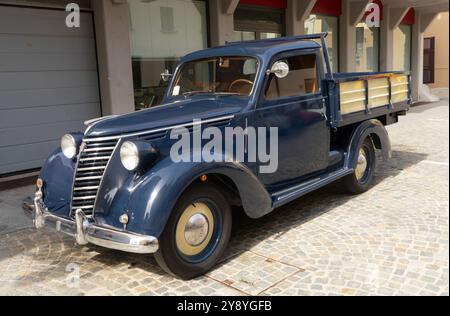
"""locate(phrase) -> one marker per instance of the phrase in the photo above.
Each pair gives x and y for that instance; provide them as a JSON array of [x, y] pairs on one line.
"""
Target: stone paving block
[[258, 275]]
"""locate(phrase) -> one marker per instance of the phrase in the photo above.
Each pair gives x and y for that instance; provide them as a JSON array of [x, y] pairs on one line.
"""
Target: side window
[[301, 80]]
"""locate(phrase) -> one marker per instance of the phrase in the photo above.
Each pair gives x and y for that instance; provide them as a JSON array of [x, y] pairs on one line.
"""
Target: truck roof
[[258, 48]]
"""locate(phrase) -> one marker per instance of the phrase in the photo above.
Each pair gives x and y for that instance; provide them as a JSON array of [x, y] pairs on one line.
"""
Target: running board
[[285, 196]]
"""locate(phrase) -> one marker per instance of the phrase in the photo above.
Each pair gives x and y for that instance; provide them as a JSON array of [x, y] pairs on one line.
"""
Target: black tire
[[169, 256], [357, 185]]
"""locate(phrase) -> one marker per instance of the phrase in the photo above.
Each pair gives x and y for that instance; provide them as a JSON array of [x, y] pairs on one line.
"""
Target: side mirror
[[279, 68], [165, 76]]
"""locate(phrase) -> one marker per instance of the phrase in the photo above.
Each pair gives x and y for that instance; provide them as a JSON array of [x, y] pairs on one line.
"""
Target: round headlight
[[129, 155], [69, 146]]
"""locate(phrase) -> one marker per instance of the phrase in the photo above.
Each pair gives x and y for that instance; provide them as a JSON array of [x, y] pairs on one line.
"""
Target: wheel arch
[[378, 135]]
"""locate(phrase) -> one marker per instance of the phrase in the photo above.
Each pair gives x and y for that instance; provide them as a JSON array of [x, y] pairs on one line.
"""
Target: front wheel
[[196, 233], [362, 177]]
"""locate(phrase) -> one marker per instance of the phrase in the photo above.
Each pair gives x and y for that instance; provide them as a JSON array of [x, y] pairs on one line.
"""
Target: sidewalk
[[12, 194]]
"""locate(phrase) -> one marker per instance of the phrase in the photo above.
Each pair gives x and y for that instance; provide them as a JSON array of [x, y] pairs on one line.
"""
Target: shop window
[[301, 80], [402, 47], [317, 23], [255, 22], [161, 32], [367, 48]]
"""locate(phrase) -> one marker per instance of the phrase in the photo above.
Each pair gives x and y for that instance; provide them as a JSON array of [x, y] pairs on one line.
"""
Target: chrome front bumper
[[86, 231]]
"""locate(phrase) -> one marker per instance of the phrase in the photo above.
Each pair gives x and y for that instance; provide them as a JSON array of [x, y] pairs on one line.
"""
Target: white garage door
[[48, 83]]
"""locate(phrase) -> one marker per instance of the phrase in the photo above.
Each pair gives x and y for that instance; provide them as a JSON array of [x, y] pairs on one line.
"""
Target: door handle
[[324, 109]]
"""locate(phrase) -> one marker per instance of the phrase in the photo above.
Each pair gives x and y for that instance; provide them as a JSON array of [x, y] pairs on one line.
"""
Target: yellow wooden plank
[[352, 96], [378, 92], [399, 88]]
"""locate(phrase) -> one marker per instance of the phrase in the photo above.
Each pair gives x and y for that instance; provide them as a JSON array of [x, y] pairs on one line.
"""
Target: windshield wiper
[[188, 93], [227, 93]]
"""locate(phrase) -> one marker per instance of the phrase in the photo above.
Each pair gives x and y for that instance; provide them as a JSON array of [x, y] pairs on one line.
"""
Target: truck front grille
[[91, 165]]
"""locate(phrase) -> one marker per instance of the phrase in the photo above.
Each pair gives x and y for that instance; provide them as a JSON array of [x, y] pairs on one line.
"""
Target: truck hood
[[165, 115]]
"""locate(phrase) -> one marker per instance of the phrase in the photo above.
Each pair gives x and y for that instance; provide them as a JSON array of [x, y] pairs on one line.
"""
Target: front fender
[[154, 194], [379, 135], [57, 174]]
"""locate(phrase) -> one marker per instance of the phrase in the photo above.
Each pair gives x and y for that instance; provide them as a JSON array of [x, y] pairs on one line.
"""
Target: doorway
[[428, 60]]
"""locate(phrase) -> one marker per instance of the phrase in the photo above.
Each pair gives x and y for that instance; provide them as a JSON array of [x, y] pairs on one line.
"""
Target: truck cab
[[252, 125]]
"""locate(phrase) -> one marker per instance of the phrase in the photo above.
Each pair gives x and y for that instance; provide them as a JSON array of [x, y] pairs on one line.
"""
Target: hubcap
[[361, 166], [194, 229]]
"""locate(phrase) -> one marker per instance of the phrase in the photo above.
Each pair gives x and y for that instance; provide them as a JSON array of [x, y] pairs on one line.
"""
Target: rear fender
[[379, 136]]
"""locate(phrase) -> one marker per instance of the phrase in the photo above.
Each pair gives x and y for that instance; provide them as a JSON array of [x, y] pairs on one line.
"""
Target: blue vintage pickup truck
[[252, 124]]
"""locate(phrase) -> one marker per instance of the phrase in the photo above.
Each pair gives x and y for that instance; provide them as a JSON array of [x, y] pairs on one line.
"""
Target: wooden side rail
[[373, 92]]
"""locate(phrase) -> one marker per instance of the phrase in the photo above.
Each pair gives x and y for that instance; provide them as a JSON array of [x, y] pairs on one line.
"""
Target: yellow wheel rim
[[194, 229]]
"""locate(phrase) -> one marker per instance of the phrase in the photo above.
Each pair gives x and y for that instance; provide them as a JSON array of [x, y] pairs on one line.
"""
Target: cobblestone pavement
[[392, 240]]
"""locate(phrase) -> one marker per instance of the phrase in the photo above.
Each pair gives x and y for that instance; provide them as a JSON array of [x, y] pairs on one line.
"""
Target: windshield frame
[[179, 67]]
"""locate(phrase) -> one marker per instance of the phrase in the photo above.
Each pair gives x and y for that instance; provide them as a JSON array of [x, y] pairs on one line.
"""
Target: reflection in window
[[317, 23], [161, 32], [367, 48], [402, 47], [269, 35], [243, 36], [167, 23], [302, 78]]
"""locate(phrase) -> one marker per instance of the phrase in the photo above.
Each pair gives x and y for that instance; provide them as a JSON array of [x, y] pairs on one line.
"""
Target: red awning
[[328, 7], [280, 4]]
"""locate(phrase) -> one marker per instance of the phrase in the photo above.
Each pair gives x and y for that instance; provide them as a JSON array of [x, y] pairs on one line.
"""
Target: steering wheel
[[235, 82]]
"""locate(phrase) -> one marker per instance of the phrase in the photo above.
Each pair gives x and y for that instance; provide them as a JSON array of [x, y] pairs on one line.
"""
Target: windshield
[[218, 75]]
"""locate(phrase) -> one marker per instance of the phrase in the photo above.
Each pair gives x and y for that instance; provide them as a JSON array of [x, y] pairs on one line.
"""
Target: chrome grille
[[92, 163]]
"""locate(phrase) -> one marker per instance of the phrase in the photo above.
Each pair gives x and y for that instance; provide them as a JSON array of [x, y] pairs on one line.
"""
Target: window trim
[[264, 102]]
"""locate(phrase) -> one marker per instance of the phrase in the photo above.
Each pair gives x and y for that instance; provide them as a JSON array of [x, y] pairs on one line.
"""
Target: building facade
[[436, 56], [52, 78]]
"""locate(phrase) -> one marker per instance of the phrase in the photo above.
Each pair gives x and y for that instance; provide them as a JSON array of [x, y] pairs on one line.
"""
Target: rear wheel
[[196, 233], [362, 177]]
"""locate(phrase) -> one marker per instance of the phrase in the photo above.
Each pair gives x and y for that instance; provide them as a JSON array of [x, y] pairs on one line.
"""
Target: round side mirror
[[280, 69], [165, 76]]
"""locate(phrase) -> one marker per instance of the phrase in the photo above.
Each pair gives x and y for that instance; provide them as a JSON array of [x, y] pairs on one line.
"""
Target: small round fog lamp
[[123, 219]]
